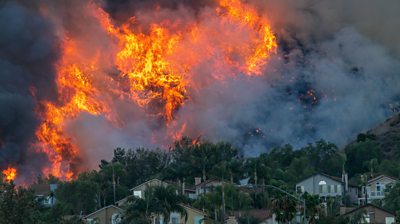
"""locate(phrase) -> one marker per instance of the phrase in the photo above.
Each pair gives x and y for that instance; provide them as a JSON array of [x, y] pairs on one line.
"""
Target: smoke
[[335, 74], [28, 51]]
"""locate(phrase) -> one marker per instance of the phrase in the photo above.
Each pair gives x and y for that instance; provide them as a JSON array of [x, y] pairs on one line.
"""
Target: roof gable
[[366, 206], [195, 210], [104, 208], [336, 179], [149, 181], [380, 177]]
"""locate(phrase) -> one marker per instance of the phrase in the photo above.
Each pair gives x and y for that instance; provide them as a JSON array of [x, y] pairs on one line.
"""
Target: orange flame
[[10, 174], [156, 65]]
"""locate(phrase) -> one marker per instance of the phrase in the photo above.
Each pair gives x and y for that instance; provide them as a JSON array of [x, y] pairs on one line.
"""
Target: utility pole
[[113, 180], [223, 203]]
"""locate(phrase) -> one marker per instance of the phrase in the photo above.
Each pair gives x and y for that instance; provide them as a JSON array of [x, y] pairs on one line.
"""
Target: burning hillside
[[83, 77]]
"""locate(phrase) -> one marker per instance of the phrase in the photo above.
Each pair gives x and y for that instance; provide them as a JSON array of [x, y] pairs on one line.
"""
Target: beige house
[[208, 186], [375, 189], [139, 190], [193, 216], [107, 215], [373, 214]]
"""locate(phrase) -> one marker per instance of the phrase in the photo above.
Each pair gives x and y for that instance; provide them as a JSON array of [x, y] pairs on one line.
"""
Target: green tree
[[313, 205], [17, 204], [136, 211], [284, 207], [392, 197], [78, 196], [167, 201], [358, 155], [190, 159]]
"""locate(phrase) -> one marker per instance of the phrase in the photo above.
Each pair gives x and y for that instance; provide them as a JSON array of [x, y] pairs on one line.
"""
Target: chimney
[[197, 180]]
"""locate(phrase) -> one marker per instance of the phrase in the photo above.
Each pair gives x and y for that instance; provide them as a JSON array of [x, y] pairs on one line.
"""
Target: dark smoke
[[28, 51]]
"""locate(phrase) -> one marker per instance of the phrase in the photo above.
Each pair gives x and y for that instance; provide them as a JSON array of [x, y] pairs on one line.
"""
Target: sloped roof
[[154, 179], [193, 209], [365, 206], [211, 181], [260, 214], [104, 208], [338, 179], [380, 177], [41, 189]]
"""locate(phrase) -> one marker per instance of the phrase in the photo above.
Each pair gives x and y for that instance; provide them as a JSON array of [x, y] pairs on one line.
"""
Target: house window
[[174, 220], [372, 217], [198, 219], [322, 187], [299, 189], [339, 187], [378, 186], [335, 188], [137, 194]]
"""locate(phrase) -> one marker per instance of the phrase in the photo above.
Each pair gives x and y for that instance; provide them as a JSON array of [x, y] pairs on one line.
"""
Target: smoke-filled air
[[80, 78]]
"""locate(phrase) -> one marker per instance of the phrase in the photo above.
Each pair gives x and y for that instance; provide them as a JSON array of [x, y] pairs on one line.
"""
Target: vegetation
[[187, 159]]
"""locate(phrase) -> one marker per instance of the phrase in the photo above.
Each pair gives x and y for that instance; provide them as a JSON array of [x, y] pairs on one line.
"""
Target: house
[[107, 215], [45, 193], [375, 189], [262, 216], [208, 186], [139, 190], [193, 216], [326, 186], [372, 214]]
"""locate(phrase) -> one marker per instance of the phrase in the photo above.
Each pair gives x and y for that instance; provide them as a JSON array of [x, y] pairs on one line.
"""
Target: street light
[[293, 196]]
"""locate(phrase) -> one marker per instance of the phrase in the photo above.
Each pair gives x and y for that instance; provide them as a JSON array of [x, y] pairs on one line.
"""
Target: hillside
[[387, 135]]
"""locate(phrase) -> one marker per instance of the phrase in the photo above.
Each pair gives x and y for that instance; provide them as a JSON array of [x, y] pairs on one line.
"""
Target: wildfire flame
[[145, 61], [10, 174]]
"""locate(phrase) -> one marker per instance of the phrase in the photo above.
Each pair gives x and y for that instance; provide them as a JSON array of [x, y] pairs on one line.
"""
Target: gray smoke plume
[[28, 50]]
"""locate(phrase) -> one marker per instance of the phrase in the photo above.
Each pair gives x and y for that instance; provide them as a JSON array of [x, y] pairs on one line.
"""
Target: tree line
[[187, 159]]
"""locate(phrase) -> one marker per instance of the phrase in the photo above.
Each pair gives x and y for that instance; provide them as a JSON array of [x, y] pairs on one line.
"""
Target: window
[[389, 220], [137, 194], [198, 219], [322, 187], [378, 186], [174, 220], [299, 189], [372, 217], [335, 188], [339, 187]]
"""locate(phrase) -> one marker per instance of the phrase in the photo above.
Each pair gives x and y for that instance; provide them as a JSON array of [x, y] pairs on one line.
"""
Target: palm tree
[[313, 206], [136, 211], [166, 200], [158, 201], [285, 208], [211, 203]]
